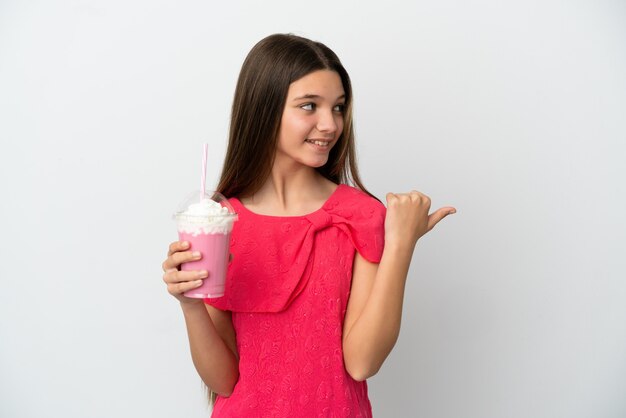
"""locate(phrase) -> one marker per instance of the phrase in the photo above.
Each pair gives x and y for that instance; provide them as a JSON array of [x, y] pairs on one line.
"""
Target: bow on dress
[[273, 256]]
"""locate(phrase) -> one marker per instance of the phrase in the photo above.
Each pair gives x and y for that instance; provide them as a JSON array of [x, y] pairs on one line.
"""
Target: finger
[[423, 199], [177, 246], [438, 215], [180, 288], [417, 197], [175, 276], [392, 198], [176, 259]]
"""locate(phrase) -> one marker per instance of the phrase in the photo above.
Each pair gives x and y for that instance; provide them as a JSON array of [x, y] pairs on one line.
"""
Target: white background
[[512, 111]]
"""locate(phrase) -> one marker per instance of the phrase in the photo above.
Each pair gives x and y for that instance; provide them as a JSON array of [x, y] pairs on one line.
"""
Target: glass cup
[[205, 220]]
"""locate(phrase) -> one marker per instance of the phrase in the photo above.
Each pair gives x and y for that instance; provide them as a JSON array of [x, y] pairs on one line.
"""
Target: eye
[[340, 108], [308, 106]]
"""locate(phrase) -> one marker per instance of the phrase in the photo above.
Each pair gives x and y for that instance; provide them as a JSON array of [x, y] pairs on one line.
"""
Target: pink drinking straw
[[203, 178]]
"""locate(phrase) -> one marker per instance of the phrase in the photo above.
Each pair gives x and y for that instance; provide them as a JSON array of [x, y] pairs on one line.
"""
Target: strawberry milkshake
[[206, 224]]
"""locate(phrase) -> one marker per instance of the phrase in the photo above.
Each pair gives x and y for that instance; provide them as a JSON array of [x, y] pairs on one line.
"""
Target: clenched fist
[[408, 219]]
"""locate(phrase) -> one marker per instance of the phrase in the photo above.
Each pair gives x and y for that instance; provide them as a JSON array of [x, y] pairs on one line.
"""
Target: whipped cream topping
[[205, 217]]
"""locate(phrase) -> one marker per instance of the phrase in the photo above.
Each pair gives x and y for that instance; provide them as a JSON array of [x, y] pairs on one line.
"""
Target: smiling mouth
[[318, 143]]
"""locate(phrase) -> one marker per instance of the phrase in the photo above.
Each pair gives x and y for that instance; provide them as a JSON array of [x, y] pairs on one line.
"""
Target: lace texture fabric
[[288, 288]]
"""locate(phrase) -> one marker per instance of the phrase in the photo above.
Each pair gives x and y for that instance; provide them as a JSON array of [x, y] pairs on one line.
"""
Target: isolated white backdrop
[[512, 111]]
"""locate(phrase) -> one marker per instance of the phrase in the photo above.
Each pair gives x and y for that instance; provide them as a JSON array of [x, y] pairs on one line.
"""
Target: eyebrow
[[316, 96]]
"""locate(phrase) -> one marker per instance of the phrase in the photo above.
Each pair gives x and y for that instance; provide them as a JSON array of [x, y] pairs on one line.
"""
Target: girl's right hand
[[178, 282]]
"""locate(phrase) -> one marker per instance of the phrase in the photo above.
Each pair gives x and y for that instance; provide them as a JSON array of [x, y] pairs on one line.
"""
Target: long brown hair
[[268, 70]]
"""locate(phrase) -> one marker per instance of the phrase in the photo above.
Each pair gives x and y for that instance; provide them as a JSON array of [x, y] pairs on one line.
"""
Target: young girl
[[314, 291]]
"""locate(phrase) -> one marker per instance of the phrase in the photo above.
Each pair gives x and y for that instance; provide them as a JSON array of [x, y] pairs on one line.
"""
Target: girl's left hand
[[407, 218]]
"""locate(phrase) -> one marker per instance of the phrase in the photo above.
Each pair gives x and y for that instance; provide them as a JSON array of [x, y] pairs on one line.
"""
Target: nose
[[327, 122]]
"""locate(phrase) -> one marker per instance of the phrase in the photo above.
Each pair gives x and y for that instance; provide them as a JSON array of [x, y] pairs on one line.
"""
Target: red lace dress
[[287, 288]]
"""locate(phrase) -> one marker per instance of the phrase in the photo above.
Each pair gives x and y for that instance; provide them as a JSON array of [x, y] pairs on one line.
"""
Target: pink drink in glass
[[205, 220], [214, 249]]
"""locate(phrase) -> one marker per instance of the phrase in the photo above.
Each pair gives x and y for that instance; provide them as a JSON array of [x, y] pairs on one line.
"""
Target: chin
[[316, 163]]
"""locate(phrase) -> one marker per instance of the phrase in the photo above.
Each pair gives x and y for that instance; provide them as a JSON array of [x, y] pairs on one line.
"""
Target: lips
[[319, 142]]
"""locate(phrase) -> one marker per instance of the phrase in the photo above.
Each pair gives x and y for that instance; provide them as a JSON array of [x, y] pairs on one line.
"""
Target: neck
[[291, 190]]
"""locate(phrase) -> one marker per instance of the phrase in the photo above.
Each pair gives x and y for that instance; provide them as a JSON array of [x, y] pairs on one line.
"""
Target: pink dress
[[287, 288]]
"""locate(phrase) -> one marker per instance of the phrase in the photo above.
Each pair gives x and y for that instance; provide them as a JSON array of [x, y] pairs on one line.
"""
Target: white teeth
[[320, 143]]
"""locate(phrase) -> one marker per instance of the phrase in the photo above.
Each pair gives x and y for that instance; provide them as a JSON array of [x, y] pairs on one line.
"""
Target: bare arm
[[374, 313], [210, 331], [212, 345], [372, 322]]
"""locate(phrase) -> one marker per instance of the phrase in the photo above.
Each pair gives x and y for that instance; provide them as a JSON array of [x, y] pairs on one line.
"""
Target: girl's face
[[312, 120]]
